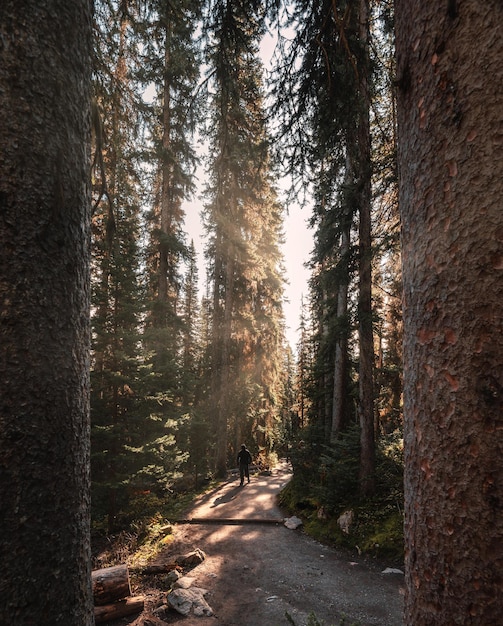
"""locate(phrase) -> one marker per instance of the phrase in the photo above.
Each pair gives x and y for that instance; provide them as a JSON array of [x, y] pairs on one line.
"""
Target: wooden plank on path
[[230, 521]]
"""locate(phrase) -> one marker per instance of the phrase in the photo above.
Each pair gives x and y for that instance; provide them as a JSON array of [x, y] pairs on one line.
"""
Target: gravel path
[[256, 572]]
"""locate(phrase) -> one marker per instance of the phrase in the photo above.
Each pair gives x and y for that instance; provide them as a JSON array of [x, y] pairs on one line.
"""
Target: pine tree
[[324, 95], [170, 69], [44, 277], [171, 66], [117, 389], [243, 219], [303, 374], [450, 89], [386, 233], [364, 190], [190, 316]]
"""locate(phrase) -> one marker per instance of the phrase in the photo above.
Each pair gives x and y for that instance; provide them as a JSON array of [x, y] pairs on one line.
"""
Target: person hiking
[[244, 460]]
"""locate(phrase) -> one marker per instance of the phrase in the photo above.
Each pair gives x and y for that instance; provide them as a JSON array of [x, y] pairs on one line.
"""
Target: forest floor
[[260, 573]]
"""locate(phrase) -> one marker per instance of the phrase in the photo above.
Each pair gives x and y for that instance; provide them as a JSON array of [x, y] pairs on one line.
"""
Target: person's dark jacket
[[244, 457]]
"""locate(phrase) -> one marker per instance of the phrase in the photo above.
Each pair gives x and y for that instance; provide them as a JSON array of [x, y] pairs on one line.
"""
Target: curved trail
[[257, 570], [253, 501]]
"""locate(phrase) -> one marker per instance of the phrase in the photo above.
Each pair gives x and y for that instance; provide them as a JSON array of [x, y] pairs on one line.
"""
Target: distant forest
[[181, 376]]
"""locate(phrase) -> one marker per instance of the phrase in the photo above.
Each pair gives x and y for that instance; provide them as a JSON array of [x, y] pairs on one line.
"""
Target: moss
[[377, 528], [385, 538]]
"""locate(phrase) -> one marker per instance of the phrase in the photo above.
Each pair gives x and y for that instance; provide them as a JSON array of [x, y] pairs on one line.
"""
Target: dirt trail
[[256, 572]]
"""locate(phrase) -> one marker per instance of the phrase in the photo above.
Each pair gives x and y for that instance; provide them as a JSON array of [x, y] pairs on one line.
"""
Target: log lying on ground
[[118, 609], [191, 559], [162, 568], [110, 584]]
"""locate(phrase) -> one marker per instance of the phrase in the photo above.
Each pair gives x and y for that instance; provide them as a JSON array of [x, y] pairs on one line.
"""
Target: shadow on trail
[[254, 500], [227, 497]]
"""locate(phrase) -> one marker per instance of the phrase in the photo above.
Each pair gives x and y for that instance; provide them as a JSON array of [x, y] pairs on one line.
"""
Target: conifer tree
[[364, 199], [116, 293], [450, 89], [303, 374], [386, 232], [324, 97], [243, 219], [171, 67], [44, 276], [190, 339], [170, 70]]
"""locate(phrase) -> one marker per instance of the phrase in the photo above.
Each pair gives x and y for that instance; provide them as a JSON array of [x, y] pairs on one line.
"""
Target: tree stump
[[110, 584]]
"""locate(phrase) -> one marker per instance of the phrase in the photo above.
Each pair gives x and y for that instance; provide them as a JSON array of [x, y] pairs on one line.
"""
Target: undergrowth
[[142, 530], [325, 486]]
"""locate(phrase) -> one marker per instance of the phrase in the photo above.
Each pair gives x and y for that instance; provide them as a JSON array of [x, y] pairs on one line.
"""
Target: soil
[[259, 573]]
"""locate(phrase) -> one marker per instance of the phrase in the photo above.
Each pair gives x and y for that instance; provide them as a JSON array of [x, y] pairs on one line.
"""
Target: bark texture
[[44, 310], [365, 332], [450, 82]]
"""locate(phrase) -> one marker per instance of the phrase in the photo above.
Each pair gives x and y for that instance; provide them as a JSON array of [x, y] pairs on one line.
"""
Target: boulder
[[392, 570], [321, 514], [173, 576], [345, 520], [185, 582], [191, 559], [293, 522], [186, 600]]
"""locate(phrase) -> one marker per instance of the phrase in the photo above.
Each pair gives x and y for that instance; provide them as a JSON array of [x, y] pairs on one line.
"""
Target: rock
[[191, 559], [392, 570], [345, 520], [184, 582], [173, 576], [293, 522], [186, 600]]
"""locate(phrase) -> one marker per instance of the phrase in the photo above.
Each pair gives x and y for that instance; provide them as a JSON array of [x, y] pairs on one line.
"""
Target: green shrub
[[326, 485]]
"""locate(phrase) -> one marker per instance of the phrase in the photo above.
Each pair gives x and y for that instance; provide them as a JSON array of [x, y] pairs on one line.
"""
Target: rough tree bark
[[45, 52], [450, 83], [365, 331], [340, 390]]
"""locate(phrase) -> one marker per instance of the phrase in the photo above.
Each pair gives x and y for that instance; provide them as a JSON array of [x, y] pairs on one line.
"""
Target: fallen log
[[121, 608], [178, 562], [110, 584], [234, 521], [162, 568]]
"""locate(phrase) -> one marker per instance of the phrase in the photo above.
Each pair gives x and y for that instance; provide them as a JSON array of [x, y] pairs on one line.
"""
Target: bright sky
[[296, 250]]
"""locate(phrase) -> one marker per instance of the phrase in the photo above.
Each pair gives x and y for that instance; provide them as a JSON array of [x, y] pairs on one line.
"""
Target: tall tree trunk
[[167, 259], [164, 277], [327, 382], [225, 375], [450, 78], [340, 391], [221, 329], [45, 55], [366, 343]]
